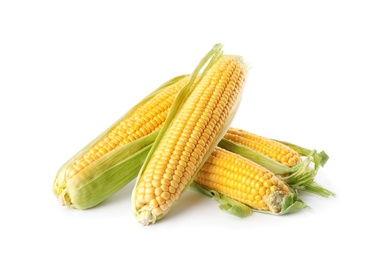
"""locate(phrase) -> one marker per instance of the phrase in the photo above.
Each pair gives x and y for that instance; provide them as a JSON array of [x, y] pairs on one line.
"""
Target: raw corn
[[189, 137], [231, 175], [114, 158], [146, 119], [281, 158], [271, 148]]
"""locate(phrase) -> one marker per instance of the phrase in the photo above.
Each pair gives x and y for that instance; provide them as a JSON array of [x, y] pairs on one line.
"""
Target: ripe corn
[[273, 149], [244, 181], [188, 140], [80, 182], [281, 158], [143, 121]]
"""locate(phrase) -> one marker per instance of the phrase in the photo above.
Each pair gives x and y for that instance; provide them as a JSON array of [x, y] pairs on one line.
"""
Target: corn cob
[[114, 158], [231, 178], [117, 154], [193, 129], [274, 150], [279, 157]]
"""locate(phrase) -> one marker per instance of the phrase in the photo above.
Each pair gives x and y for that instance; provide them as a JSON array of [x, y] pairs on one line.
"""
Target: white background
[[318, 78]]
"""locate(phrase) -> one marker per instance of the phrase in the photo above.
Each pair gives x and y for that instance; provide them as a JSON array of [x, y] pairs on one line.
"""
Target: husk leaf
[[60, 185], [146, 217]]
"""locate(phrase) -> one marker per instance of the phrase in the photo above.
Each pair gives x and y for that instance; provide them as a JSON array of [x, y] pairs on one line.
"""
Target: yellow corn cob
[[143, 121], [77, 182], [273, 149], [189, 139], [281, 158], [111, 161], [242, 180]]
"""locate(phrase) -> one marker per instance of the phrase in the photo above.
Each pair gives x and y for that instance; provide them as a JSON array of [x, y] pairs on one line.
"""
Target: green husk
[[255, 156], [108, 174], [300, 176], [145, 215], [226, 204], [105, 176], [320, 158], [290, 203]]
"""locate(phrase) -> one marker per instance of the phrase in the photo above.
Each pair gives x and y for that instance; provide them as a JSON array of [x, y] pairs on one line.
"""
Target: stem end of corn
[[145, 217]]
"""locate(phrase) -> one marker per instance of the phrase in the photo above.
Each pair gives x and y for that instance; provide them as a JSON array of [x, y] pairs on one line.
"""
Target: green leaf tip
[[319, 190]]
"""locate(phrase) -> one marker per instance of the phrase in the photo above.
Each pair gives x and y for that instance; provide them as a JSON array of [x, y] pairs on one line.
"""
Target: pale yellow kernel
[[148, 197], [156, 183], [167, 176], [172, 190], [268, 192], [141, 189], [157, 211], [174, 184], [71, 172], [165, 181], [158, 191], [176, 178], [160, 200], [166, 195], [164, 187], [169, 202], [140, 198], [149, 190], [157, 177], [164, 207], [181, 186], [273, 188], [147, 178], [83, 163], [153, 203]]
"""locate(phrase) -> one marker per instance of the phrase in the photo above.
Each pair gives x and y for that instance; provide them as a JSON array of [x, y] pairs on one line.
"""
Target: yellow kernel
[[157, 211], [148, 197], [165, 182], [174, 184], [165, 195], [141, 189], [157, 177], [140, 198], [262, 190], [168, 176], [153, 203], [267, 184], [149, 190], [176, 178], [164, 187], [273, 188], [158, 191], [160, 200], [172, 189]]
